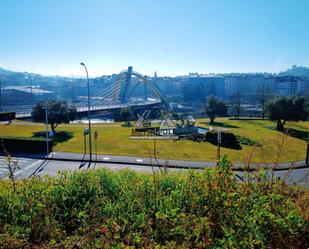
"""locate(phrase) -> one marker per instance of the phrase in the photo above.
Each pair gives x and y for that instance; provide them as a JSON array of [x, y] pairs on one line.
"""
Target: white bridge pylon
[[117, 94]]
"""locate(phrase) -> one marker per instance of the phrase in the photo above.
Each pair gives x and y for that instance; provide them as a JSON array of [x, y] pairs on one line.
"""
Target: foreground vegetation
[[104, 209], [114, 140]]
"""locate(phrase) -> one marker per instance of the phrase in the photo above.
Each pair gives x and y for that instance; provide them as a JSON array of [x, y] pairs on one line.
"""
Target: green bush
[[190, 209], [247, 141], [25, 144], [228, 139]]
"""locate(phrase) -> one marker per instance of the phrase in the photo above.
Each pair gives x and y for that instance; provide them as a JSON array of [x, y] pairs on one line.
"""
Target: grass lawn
[[114, 140]]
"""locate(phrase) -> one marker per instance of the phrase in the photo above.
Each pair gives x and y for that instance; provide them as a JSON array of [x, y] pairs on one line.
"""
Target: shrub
[[24, 144], [190, 209], [228, 140], [247, 141]]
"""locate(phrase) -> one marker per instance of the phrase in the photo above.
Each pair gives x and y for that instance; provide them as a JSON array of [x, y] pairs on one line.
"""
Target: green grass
[[114, 140]]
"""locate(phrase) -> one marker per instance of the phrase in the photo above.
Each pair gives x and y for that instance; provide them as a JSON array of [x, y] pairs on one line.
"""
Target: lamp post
[[31, 92], [31, 83], [89, 119], [1, 107], [307, 153]]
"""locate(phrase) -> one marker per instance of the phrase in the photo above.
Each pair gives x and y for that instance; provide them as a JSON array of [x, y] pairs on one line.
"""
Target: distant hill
[[296, 71], [5, 72]]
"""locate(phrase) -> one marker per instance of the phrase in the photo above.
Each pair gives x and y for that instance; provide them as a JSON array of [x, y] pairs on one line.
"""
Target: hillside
[[296, 71]]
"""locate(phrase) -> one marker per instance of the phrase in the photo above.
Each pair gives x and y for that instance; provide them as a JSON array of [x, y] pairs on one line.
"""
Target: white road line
[[3, 170], [106, 158], [15, 159], [28, 167], [139, 160], [21, 159]]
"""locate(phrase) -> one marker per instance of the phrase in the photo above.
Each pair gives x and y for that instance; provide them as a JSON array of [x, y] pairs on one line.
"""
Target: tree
[[263, 95], [126, 115], [287, 109], [58, 112], [236, 99], [215, 106]]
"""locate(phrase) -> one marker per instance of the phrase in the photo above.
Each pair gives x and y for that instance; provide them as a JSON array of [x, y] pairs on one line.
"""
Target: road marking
[[139, 160], [106, 158], [15, 159], [28, 167], [3, 170]]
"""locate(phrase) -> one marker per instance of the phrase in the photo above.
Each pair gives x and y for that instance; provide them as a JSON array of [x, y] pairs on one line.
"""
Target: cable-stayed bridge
[[120, 94]]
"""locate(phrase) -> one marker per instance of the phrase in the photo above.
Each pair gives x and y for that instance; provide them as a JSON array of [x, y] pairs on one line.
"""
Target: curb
[[169, 165]]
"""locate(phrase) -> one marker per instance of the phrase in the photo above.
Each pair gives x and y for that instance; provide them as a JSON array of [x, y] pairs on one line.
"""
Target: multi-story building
[[198, 87], [245, 84], [286, 85]]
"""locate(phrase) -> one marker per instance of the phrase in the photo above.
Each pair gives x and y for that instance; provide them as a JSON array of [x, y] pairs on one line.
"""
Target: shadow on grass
[[60, 136], [303, 135], [219, 124]]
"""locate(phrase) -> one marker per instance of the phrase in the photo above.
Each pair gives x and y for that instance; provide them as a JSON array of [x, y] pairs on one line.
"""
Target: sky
[[171, 37]]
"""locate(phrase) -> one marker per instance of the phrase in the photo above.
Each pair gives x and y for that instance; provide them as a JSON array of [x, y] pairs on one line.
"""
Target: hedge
[[7, 116], [19, 144], [228, 140]]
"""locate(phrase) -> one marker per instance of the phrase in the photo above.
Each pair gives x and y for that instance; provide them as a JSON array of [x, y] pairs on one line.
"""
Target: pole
[[307, 154], [1, 107], [218, 147], [46, 126], [85, 146], [31, 92], [96, 151], [89, 118]]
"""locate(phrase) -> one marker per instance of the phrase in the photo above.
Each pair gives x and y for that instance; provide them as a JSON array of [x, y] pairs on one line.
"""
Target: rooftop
[[27, 89]]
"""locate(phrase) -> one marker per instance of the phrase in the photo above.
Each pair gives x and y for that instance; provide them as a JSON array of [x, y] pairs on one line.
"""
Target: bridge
[[120, 94], [115, 96]]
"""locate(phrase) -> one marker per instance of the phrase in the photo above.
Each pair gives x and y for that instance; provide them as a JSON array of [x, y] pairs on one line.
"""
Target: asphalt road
[[29, 167]]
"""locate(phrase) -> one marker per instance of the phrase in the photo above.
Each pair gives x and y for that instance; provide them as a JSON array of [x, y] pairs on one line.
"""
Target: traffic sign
[[95, 134], [219, 137], [86, 131], [50, 134]]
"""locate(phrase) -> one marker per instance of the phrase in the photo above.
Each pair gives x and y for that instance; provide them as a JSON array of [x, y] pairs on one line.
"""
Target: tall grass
[[188, 209]]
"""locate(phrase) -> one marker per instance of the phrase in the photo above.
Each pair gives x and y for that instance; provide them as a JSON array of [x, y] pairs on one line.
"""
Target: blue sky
[[172, 37]]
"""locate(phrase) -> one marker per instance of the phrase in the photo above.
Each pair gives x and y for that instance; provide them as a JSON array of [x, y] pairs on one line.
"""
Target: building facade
[[24, 95]]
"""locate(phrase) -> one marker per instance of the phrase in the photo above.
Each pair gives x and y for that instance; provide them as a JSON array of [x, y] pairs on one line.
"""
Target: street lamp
[[1, 107], [89, 121], [31, 83]]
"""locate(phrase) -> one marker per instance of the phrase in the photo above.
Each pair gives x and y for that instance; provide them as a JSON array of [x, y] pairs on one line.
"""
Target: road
[[29, 167], [40, 167]]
